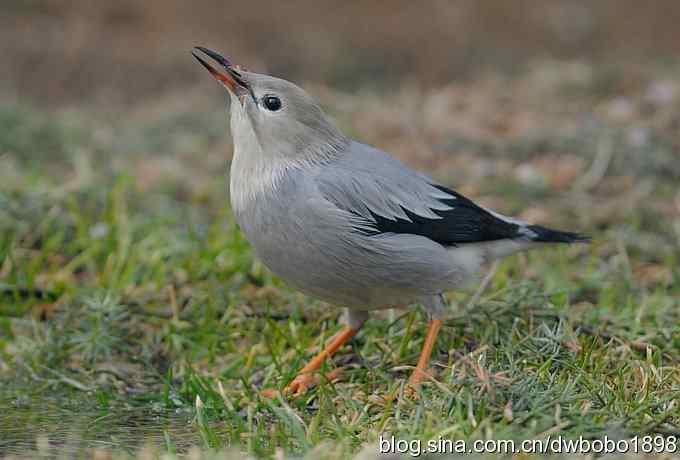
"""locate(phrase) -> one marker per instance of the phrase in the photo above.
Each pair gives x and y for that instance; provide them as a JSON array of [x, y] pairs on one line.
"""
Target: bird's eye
[[272, 103]]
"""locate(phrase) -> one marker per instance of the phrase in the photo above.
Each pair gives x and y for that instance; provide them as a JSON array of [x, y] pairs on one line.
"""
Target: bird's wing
[[384, 196]]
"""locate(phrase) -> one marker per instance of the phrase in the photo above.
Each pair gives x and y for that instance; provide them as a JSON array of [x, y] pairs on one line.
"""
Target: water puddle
[[74, 423]]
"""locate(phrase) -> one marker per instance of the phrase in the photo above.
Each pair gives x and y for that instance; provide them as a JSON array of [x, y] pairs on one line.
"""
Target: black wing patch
[[465, 222]]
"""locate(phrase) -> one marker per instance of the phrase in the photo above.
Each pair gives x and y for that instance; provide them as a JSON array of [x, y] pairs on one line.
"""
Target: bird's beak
[[230, 78]]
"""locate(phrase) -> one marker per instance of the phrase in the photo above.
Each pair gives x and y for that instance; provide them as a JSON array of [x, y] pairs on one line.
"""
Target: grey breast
[[304, 237]]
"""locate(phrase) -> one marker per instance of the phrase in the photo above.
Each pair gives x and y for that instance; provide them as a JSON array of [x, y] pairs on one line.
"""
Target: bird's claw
[[270, 394], [304, 382], [412, 391], [300, 385]]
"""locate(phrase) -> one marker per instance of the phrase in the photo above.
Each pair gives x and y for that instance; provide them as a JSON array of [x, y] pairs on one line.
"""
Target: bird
[[347, 223]]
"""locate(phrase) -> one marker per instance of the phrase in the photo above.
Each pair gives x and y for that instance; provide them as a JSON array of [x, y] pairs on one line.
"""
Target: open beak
[[230, 78]]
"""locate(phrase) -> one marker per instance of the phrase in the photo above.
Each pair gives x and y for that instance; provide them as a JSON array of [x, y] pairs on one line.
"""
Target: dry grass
[[80, 52], [126, 288]]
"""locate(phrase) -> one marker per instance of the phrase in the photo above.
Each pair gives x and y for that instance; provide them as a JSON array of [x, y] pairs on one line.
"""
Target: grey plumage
[[345, 222]]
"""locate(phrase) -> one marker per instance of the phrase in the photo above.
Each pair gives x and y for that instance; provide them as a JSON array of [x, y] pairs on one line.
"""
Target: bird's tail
[[541, 234], [529, 236]]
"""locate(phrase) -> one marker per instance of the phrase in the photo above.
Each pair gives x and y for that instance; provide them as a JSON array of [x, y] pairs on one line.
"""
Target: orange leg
[[305, 378], [419, 373]]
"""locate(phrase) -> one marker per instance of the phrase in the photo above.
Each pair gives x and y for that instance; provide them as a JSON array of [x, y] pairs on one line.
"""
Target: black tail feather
[[546, 235]]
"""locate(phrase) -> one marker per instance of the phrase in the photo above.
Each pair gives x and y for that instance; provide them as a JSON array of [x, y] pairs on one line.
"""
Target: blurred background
[[527, 91], [78, 51], [114, 152]]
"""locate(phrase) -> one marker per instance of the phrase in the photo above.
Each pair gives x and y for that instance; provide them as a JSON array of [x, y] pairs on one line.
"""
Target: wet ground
[[72, 423]]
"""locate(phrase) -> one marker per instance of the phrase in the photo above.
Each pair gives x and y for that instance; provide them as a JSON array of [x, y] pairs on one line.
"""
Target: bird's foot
[[301, 384], [421, 372], [413, 387], [305, 381], [412, 391], [270, 393]]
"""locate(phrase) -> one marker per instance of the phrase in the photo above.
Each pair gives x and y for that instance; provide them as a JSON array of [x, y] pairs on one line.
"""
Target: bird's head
[[273, 117]]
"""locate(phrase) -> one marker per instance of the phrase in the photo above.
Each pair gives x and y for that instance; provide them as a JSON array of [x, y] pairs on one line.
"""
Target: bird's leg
[[419, 373], [305, 378]]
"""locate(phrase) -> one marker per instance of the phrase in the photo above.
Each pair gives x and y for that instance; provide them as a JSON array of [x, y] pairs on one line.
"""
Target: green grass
[[127, 290]]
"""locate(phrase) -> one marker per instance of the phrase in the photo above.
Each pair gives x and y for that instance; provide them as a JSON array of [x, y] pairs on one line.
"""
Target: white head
[[273, 118], [275, 126]]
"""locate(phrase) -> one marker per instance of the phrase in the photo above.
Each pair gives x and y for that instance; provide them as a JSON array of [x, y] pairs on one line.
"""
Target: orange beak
[[231, 78]]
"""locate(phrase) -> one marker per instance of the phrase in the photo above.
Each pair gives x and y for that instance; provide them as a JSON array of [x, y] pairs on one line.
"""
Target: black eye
[[272, 103]]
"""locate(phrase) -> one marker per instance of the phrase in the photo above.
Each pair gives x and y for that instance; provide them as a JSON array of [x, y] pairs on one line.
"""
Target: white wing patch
[[523, 226]]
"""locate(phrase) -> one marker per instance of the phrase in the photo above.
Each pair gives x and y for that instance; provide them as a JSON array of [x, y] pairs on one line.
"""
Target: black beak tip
[[216, 56], [201, 61]]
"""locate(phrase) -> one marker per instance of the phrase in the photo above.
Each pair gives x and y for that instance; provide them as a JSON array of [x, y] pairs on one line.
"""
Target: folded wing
[[384, 196]]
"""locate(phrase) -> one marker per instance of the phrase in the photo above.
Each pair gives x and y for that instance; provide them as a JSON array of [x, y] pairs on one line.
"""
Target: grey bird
[[347, 223]]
